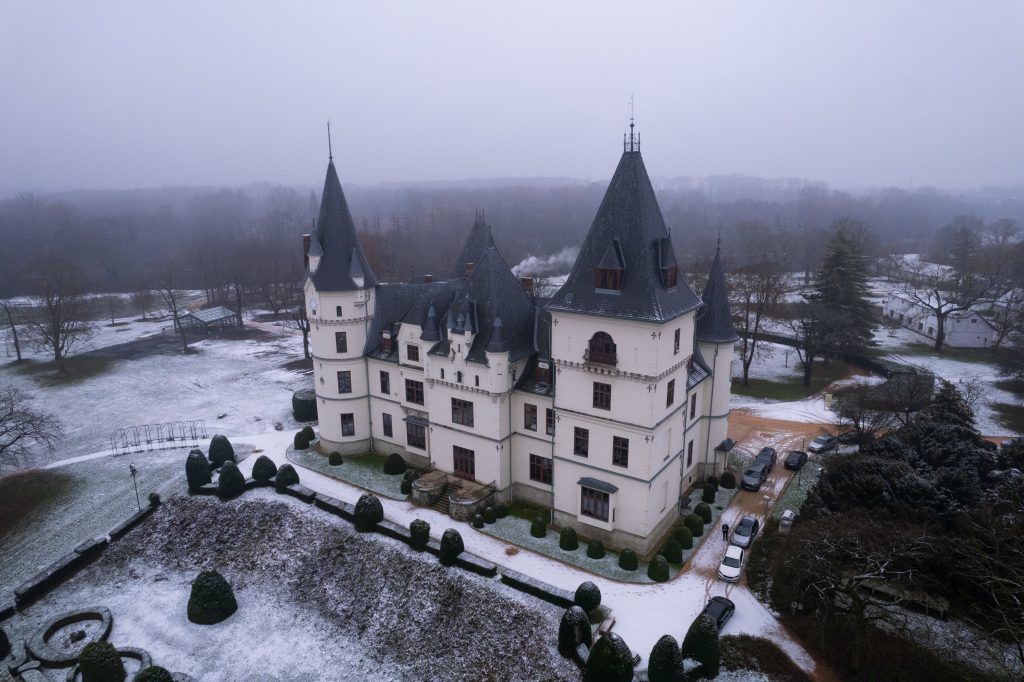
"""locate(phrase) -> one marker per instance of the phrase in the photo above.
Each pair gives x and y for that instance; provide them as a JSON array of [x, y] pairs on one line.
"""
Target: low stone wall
[[465, 510], [531, 495], [427, 489], [538, 588]]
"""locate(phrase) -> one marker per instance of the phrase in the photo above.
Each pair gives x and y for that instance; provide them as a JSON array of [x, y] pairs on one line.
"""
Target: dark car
[[744, 532], [719, 608], [754, 476], [768, 456], [823, 444], [795, 460]]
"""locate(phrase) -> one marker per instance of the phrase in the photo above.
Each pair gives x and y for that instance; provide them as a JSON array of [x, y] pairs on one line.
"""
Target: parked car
[[768, 456], [720, 609], [823, 444], [729, 569], [744, 532], [795, 460], [754, 476]]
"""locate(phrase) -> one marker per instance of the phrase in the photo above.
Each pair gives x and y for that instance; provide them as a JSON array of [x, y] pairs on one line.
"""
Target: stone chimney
[[305, 250], [527, 284]]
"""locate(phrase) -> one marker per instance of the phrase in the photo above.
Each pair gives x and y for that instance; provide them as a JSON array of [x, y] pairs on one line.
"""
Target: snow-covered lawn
[[364, 472]]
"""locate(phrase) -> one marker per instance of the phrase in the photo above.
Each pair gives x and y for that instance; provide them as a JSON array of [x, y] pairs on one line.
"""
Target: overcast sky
[[136, 94]]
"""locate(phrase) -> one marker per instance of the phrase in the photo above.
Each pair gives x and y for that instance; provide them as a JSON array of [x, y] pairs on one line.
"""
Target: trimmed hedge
[[573, 630], [263, 469], [610, 660], [394, 464], [588, 596], [728, 480], [419, 534], [500, 511], [154, 499], [197, 470], [673, 552], [701, 644], [369, 512], [5, 645], [713, 481], [405, 487], [489, 515], [628, 560], [665, 663], [334, 459], [703, 511], [539, 527], [695, 524], [478, 520], [301, 440], [304, 405], [310, 433], [708, 496], [231, 482], [567, 540], [153, 673], [220, 451], [684, 536], [657, 570], [595, 549], [100, 662], [286, 476], [212, 599], [451, 546]]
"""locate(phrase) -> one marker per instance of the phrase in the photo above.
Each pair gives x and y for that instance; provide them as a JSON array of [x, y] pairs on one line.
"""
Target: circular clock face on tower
[[312, 305]]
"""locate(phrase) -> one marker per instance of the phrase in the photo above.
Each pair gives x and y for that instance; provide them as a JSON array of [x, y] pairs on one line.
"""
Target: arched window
[[337, 311], [601, 349], [458, 377], [476, 379]]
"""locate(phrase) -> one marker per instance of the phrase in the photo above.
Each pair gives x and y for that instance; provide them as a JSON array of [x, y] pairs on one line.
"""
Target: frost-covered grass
[[799, 486], [366, 471]]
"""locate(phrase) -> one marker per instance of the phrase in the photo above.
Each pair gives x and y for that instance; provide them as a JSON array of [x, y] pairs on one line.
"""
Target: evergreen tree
[[701, 645], [950, 408], [841, 286]]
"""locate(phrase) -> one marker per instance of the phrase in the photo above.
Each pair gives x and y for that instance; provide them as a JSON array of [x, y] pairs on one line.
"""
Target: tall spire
[[631, 143], [330, 152], [343, 266], [714, 322]]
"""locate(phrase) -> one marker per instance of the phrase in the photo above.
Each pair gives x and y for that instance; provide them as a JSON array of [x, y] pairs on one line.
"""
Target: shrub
[[419, 534], [539, 527], [212, 599], [703, 511], [394, 464], [665, 663], [695, 524], [154, 499], [264, 469], [405, 487], [701, 644], [713, 481], [478, 520], [310, 433], [500, 511], [153, 673], [301, 441], [304, 405], [368, 513], [588, 596], [334, 459], [197, 470], [610, 660], [286, 476], [673, 552], [451, 546], [567, 540], [728, 480], [573, 630], [657, 570], [684, 536], [410, 475], [628, 560], [5, 645], [595, 549], [708, 496], [489, 515], [100, 662], [231, 482], [220, 450]]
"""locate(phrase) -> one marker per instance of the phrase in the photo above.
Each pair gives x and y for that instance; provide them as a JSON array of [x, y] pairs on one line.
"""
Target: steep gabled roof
[[628, 233], [335, 237], [714, 322], [412, 303], [479, 240]]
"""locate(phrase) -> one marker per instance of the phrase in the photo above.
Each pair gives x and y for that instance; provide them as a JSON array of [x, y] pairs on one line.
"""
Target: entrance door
[[465, 464]]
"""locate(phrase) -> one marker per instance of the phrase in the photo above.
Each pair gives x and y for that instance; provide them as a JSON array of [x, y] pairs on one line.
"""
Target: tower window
[[348, 425], [693, 406], [344, 381], [580, 442], [671, 276], [341, 342], [388, 428], [337, 311], [675, 344], [620, 451], [670, 394], [530, 417], [385, 383], [413, 352], [462, 412], [601, 349], [602, 396], [608, 278]]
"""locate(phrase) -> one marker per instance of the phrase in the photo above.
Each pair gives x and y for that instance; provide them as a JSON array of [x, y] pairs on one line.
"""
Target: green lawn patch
[[792, 388], [363, 471], [527, 511], [1014, 386], [76, 368], [1009, 415]]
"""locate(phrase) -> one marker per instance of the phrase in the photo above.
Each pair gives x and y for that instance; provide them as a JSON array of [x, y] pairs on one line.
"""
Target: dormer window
[[609, 270], [542, 373], [671, 276], [385, 342], [608, 278]]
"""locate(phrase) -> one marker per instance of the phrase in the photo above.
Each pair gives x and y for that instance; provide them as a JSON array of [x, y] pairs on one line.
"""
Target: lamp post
[[131, 468], [767, 499]]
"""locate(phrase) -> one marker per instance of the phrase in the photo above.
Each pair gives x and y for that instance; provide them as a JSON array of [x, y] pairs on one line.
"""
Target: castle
[[602, 403]]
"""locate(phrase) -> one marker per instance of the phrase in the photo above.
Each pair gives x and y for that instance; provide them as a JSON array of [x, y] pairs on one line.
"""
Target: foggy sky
[[134, 94]]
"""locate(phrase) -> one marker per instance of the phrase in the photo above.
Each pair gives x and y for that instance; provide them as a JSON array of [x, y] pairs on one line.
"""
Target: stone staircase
[[444, 501]]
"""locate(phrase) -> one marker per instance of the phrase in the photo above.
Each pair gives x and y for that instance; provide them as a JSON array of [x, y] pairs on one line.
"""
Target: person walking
[[725, 531]]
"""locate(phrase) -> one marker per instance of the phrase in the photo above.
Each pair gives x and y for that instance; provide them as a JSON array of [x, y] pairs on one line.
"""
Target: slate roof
[[714, 322], [335, 238], [479, 240], [698, 369], [411, 303], [628, 231]]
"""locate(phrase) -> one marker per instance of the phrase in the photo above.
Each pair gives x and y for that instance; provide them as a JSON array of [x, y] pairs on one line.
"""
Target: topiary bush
[[212, 599], [539, 527], [154, 499], [5, 645], [695, 524], [231, 482], [153, 673], [286, 476], [703, 511], [588, 596], [197, 470], [478, 520], [657, 570], [708, 496], [701, 644], [220, 451], [489, 515], [394, 464], [419, 534], [666, 662], [368, 513], [451, 546], [100, 662], [334, 459], [595, 549], [310, 433], [264, 469], [573, 630], [684, 536], [500, 511], [567, 540], [301, 441], [713, 481], [304, 405], [405, 487], [673, 552], [610, 660], [728, 480], [628, 560]]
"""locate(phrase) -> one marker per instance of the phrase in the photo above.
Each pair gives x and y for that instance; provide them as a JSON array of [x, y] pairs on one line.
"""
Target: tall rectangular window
[[620, 451], [413, 352], [385, 342], [416, 435], [675, 344], [540, 469], [594, 503], [689, 454], [602, 396], [464, 463], [580, 442], [344, 381], [530, 417], [549, 419], [385, 383], [670, 393], [693, 405], [341, 342], [348, 425], [386, 423], [414, 391], [462, 412]]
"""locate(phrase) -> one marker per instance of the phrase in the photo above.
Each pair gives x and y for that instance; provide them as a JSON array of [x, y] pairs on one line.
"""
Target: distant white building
[[964, 329]]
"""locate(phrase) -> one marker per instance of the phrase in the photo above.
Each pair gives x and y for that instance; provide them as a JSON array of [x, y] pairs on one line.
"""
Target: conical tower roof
[[714, 322], [479, 240], [629, 237], [335, 236]]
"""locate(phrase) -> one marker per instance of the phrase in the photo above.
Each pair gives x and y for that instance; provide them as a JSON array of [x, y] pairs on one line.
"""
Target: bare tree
[[23, 428], [755, 288], [14, 332], [172, 300], [143, 301], [816, 328], [58, 314], [301, 322]]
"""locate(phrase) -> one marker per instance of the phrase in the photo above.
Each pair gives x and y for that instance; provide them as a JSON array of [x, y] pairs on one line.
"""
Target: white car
[[729, 570]]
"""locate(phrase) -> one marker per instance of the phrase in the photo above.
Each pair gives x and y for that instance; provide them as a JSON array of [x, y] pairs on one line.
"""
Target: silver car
[[745, 531]]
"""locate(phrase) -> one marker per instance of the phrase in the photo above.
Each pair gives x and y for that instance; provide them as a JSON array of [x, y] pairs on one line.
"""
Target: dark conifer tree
[[841, 286]]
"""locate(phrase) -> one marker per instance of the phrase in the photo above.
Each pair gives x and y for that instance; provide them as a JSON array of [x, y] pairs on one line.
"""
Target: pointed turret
[[626, 267], [479, 240], [714, 322], [343, 266]]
